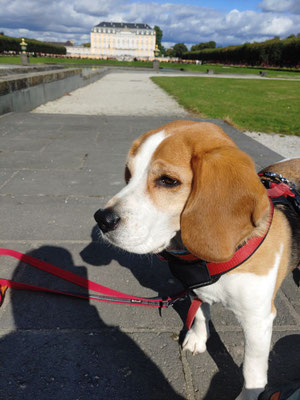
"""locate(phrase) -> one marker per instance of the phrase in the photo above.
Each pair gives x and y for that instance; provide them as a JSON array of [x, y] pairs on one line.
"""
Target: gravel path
[[287, 146], [118, 93]]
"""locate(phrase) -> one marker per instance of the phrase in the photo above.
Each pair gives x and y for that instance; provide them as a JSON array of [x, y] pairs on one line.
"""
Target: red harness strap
[[240, 256], [106, 294], [194, 307]]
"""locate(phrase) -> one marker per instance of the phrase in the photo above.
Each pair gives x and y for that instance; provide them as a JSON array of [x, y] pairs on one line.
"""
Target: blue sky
[[216, 4], [182, 21]]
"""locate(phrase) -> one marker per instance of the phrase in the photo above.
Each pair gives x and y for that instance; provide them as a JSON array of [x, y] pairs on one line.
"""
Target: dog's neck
[[176, 243]]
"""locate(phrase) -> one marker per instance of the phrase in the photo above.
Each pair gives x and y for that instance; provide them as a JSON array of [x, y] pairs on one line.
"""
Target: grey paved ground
[[55, 172]]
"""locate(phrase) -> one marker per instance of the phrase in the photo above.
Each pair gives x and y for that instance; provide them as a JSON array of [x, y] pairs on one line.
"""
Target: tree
[[179, 49], [159, 35], [204, 45], [170, 52], [163, 50]]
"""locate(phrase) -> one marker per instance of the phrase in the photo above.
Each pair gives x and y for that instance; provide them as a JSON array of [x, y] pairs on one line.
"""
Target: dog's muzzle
[[107, 219]]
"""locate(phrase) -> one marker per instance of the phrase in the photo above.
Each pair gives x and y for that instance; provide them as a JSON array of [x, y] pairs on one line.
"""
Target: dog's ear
[[226, 203]]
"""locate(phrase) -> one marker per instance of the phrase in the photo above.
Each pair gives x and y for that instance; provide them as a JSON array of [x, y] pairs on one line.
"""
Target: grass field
[[225, 69], [74, 61], [218, 69], [257, 105]]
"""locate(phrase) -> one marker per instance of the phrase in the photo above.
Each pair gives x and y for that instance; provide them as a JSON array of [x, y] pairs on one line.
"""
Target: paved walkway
[[55, 172]]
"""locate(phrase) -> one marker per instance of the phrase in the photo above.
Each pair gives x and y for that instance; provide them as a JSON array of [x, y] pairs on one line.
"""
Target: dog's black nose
[[106, 219]]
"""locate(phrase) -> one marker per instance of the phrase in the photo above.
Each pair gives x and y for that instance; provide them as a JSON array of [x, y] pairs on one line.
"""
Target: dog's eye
[[167, 181]]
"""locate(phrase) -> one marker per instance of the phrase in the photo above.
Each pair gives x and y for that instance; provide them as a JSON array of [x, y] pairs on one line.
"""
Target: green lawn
[[218, 69], [224, 69], [74, 61], [259, 105]]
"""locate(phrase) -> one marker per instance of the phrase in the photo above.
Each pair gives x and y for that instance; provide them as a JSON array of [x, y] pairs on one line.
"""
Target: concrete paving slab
[[22, 144], [290, 294], [224, 358], [89, 365], [42, 160], [46, 217], [89, 182], [5, 176]]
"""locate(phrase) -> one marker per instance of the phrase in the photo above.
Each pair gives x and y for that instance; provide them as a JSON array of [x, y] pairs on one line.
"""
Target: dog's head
[[188, 178]]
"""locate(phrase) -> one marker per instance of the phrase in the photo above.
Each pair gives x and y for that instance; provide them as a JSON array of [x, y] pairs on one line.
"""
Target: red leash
[[105, 294]]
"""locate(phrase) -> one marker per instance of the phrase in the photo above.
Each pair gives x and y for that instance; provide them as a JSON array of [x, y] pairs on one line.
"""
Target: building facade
[[78, 51], [123, 40]]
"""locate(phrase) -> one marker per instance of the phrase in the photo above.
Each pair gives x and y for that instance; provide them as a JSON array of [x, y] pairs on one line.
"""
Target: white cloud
[[73, 19], [276, 5]]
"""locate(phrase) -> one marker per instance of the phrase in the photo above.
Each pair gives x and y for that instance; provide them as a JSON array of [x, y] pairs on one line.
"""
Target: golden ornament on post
[[23, 45], [24, 55], [156, 62]]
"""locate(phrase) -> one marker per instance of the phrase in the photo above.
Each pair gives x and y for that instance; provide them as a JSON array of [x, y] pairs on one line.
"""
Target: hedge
[[276, 52], [8, 43]]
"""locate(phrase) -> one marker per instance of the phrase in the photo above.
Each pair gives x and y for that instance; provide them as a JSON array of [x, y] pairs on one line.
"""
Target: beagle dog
[[190, 187]]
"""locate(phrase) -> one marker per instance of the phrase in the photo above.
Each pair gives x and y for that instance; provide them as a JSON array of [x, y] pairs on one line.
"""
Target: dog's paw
[[194, 342]]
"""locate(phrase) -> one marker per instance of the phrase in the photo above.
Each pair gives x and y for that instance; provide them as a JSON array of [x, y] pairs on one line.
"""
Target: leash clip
[[181, 297]]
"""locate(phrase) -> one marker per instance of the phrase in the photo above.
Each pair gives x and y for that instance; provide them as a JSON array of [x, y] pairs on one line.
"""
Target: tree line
[[274, 52], [8, 43]]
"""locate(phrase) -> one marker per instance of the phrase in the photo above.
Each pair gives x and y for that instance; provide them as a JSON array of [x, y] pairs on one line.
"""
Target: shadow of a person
[[148, 270], [284, 366], [227, 383], [59, 347], [284, 361]]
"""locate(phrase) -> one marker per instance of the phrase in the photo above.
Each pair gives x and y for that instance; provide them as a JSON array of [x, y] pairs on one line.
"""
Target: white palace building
[[122, 40]]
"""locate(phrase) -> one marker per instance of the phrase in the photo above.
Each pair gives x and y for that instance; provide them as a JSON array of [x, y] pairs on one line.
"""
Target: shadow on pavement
[[148, 270], [284, 360], [226, 384], [55, 354]]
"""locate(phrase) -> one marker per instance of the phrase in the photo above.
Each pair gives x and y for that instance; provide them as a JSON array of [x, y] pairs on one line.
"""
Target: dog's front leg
[[258, 332], [196, 337]]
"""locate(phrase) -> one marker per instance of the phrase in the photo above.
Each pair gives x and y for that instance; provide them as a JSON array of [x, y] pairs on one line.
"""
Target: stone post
[[156, 65], [24, 55]]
